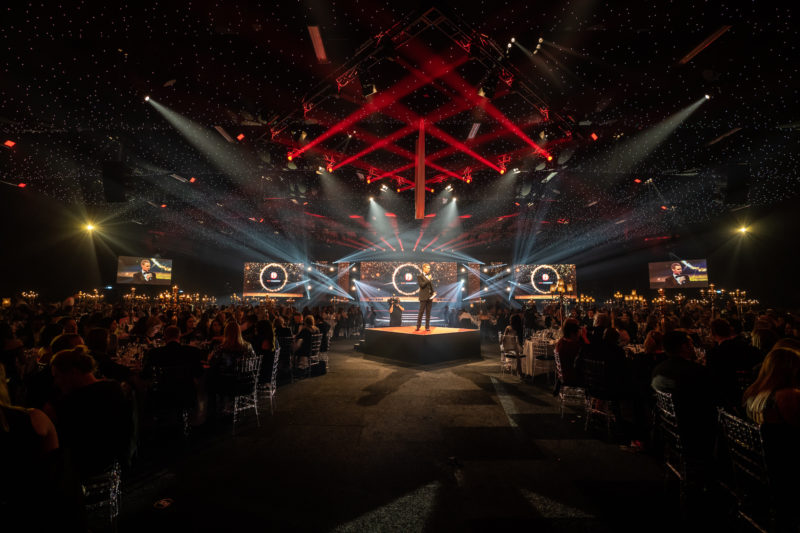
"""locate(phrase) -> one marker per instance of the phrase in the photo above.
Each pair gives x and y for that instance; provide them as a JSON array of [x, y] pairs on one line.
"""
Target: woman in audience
[[773, 401], [302, 341], [216, 332], [763, 340], [568, 349], [223, 358], [222, 379], [775, 395], [190, 332], [513, 341]]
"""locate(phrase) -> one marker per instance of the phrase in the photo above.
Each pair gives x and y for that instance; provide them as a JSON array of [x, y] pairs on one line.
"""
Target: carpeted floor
[[372, 446]]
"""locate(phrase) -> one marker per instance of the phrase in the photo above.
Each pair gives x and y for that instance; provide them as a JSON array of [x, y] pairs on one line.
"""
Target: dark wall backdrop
[[46, 249]]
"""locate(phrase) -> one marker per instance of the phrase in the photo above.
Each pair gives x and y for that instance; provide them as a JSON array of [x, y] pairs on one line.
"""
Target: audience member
[[93, 417]]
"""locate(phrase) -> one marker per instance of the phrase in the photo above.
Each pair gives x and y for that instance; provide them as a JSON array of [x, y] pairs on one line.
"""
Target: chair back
[[746, 446], [316, 344], [559, 372], [102, 496], [326, 341], [540, 346], [510, 343], [274, 378], [248, 365], [667, 418]]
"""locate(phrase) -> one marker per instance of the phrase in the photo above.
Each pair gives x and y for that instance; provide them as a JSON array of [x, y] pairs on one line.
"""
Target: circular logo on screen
[[273, 277], [543, 277], [404, 279]]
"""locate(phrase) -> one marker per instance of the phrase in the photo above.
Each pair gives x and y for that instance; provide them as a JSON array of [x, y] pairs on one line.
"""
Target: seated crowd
[[80, 384], [77, 382]]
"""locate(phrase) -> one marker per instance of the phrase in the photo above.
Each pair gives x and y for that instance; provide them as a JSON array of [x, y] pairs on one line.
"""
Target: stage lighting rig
[[368, 87], [488, 84]]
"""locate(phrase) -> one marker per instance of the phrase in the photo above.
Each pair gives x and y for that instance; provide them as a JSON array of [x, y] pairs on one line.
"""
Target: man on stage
[[426, 295]]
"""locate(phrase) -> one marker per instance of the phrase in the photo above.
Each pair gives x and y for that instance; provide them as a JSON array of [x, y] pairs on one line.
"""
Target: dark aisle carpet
[[372, 446]]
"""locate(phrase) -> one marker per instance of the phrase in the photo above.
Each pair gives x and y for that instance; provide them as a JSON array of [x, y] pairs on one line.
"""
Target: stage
[[422, 347]]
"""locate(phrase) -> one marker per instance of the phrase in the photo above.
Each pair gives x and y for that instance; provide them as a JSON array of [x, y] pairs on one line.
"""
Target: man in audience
[[730, 360], [690, 386], [93, 418], [174, 368]]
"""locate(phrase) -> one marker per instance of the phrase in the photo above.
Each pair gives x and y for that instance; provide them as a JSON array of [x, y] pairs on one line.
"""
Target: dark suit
[[138, 277], [671, 283], [174, 368], [426, 292]]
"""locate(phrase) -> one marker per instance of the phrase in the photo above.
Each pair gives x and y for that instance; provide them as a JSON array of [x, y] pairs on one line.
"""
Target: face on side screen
[[426, 269]]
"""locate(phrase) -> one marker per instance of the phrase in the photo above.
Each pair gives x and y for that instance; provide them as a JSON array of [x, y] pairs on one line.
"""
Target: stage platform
[[422, 347]]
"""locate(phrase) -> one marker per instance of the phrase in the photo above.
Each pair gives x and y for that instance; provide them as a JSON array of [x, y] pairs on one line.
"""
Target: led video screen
[[144, 270], [274, 280], [537, 282], [688, 273], [383, 279]]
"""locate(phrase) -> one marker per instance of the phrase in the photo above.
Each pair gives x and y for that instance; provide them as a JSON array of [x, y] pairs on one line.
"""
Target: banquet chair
[[314, 357], [600, 401], [270, 388], [286, 345], [752, 484], [101, 495], [541, 358], [324, 348], [568, 395], [245, 387], [508, 358], [667, 423], [167, 402]]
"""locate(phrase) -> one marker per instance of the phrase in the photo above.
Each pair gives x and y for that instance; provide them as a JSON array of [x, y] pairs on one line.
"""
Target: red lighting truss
[[502, 161], [507, 77], [429, 69], [330, 161], [345, 79]]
